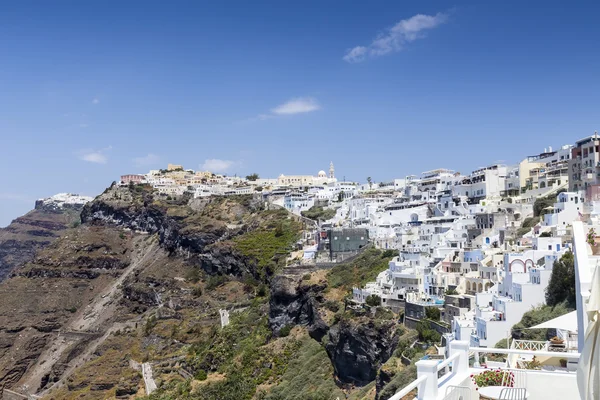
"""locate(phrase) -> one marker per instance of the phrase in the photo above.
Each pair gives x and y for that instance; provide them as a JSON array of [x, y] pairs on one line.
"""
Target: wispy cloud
[[395, 38], [298, 105], [96, 100], [146, 160], [217, 165], [94, 156]]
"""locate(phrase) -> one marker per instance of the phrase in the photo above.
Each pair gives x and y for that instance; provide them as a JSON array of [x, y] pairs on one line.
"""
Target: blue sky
[[91, 90]]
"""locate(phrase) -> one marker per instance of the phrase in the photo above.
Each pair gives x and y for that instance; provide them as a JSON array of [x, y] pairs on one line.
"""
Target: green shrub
[[373, 300], [306, 277], [359, 271], [432, 313], [561, 287], [193, 275], [285, 331], [201, 375], [319, 213], [389, 253], [215, 281]]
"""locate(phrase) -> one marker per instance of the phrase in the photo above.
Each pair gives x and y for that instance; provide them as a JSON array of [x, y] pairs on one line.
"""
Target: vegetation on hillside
[[270, 244], [309, 376], [527, 224], [319, 213], [537, 316], [543, 202], [359, 271]]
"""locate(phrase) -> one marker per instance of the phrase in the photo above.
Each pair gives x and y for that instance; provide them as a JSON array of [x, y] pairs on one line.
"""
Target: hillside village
[[478, 247]]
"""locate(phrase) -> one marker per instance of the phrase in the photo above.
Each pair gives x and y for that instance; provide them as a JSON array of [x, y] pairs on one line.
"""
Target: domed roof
[[322, 174]]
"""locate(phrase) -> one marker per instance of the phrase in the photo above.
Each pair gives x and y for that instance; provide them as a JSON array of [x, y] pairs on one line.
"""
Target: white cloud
[[96, 100], [296, 106], [94, 156], [217, 165], [395, 38], [356, 54], [148, 159]]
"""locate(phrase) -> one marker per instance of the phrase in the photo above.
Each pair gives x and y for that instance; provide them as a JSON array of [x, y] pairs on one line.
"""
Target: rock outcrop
[[357, 349], [295, 303]]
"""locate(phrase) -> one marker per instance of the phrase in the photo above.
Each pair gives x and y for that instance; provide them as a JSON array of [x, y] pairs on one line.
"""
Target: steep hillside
[[35, 230], [130, 301]]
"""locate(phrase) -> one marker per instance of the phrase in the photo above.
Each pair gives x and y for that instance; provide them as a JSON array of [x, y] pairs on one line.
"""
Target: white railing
[[428, 381], [446, 365], [532, 345]]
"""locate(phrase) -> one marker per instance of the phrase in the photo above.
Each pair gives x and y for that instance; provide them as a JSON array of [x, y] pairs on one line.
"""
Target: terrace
[[434, 378]]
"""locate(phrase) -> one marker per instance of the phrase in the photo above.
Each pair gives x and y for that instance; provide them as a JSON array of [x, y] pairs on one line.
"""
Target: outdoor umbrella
[[588, 370]]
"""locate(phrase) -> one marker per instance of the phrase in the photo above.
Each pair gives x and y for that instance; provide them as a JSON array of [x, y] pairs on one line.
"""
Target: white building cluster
[[461, 236]]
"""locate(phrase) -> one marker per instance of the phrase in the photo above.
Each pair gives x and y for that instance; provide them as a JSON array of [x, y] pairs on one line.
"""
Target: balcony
[[433, 377]]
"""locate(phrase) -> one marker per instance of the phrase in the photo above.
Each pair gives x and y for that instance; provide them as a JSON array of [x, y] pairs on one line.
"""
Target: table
[[493, 392]]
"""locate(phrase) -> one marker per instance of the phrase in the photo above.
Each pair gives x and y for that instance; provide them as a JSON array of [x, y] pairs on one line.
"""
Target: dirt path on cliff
[[93, 321]]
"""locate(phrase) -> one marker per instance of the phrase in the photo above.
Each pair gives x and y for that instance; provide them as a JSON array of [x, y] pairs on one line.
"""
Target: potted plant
[[492, 377], [591, 240], [563, 362], [556, 340]]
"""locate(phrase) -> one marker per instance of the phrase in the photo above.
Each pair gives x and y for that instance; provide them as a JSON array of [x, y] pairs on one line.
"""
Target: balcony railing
[[431, 386]]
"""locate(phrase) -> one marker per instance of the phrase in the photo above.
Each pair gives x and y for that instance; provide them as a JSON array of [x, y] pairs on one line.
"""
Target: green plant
[[591, 237], [319, 213], [306, 277], [75, 224], [432, 313], [546, 234], [193, 275], [201, 375], [252, 177], [373, 300], [451, 292], [561, 287], [215, 281], [389, 253], [533, 364], [285, 331], [492, 377], [563, 362]]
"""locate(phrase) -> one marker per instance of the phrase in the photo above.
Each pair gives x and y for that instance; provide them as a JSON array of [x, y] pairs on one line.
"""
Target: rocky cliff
[[145, 279], [35, 230]]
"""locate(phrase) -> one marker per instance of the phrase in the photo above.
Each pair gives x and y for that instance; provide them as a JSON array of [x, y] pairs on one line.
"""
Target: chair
[[514, 378], [457, 393], [514, 393]]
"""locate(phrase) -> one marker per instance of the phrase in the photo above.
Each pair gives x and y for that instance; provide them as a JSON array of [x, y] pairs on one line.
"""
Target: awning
[[567, 322]]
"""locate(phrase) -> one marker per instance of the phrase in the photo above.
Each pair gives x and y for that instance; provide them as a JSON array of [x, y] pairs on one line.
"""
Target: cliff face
[[294, 303], [145, 279], [358, 350], [34, 231]]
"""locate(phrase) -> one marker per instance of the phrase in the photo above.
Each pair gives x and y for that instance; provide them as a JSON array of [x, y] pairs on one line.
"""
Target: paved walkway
[[148, 379]]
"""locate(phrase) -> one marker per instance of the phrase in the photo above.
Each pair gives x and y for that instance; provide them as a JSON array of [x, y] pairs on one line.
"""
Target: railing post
[[476, 364], [428, 389], [461, 364]]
